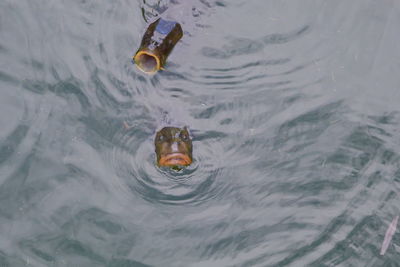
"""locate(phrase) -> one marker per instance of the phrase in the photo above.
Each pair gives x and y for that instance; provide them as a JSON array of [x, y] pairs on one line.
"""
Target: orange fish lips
[[175, 159]]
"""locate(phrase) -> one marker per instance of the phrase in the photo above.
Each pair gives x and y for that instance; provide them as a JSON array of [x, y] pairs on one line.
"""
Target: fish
[[173, 147]]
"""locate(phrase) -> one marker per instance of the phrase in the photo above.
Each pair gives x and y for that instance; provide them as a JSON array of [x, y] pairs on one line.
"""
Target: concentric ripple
[[293, 109], [133, 158]]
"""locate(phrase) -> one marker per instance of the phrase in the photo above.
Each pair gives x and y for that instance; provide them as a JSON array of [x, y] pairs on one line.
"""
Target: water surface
[[293, 108]]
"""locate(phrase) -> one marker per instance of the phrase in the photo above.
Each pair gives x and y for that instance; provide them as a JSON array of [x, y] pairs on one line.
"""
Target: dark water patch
[[322, 238], [348, 163], [36, 86], [307, 126], [42, 255], [63, 89], [251, 64], [285, 38], [94, 221], [390, 118], [121, 86], [236, 48], [9, 260], [9, 144], [113, 93], [244, 46], [85, 230], [358, 168], [365, 140], [101, 130], [11, 188], [201, 136], [171, 75], [238, 82], [359, 238], [246, 240], [220, 3], [3, 259], [73, 88], [374, 179], [76, 251], [202, 192], [126, 263], [8, 78], [178, 92], [106, 99], [103, 53], [212, 111], [252, 87], [35, 64], [254, 77], [2, 49]]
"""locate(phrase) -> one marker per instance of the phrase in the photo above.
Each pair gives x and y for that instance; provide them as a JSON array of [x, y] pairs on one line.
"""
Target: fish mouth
[[174, 159]]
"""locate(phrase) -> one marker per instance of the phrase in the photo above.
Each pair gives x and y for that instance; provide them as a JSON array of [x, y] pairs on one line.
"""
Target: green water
[[294, 111]]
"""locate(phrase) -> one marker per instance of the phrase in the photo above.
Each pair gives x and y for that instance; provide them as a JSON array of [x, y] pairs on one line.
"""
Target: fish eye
[[160, 138], [184, 136]]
